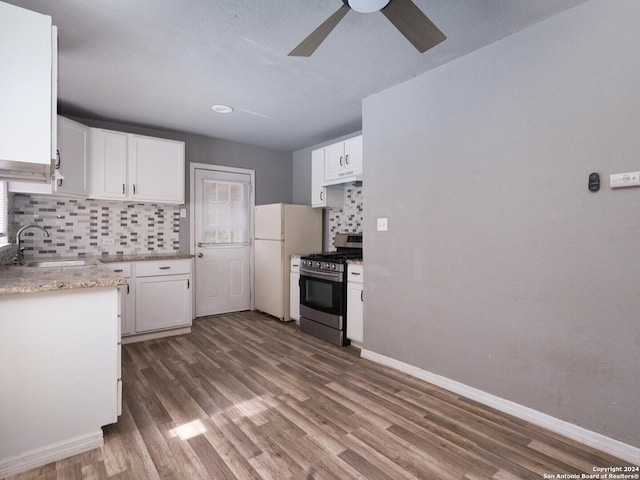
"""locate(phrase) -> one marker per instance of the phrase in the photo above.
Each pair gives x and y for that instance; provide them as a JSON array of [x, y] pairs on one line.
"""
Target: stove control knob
[[334, 266]]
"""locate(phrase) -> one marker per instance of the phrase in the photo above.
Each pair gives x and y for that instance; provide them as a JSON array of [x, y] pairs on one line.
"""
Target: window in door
[[226, 213]]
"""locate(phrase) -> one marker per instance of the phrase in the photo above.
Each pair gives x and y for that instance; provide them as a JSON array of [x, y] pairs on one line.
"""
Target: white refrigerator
[[282, 230]]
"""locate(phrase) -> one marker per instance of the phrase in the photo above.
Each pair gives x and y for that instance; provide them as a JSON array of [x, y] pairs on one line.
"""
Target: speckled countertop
[[22, 279], [141, 257], [19, 279], [355, 262]]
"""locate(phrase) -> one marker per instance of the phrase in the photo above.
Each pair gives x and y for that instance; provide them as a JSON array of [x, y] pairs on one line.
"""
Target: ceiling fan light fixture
[[222, 108], [367, 6]]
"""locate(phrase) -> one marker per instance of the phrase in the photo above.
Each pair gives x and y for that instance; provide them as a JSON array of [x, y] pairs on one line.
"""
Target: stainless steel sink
[[60, 263]]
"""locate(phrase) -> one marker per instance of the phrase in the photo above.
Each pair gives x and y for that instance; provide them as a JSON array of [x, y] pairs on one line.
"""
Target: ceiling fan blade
[[413, 24], [315, 38]]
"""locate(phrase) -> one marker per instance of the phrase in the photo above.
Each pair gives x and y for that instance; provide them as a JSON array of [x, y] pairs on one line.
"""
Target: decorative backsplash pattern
[[87, 227], [347, 219], [7, 254]]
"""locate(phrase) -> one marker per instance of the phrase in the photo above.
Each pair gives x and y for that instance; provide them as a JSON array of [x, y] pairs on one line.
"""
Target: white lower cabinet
[[127, 297], [162, 302], [355, 303], [59, 372], [294, 289], [157, 299]]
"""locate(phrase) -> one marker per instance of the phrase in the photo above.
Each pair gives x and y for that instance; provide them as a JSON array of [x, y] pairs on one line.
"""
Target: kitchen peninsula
[[59, 361]]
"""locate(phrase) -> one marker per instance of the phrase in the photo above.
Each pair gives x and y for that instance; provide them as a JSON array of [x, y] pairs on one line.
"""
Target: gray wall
[[500, 270], [274, 172]]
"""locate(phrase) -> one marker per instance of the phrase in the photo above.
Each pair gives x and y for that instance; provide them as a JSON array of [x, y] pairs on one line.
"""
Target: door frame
[[192, 217]]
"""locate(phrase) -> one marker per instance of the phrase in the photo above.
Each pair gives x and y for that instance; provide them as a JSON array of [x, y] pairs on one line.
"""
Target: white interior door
[[223, 208]]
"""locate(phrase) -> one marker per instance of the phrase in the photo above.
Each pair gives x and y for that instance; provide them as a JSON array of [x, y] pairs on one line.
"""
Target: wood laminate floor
[[247, 397]]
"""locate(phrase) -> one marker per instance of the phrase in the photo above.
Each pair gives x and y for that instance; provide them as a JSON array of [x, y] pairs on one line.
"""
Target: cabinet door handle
[[165, 268], [58, 160], [127, 289], [346, 159], [355, 273], [118, 270], [123, 188], [341, 160], [200, 255], [59, 182], [134, 188], [362, 295], [322, 196], [188, 284]]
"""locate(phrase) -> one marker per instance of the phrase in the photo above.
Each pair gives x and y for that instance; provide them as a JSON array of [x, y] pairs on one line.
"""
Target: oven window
[[322, 295]]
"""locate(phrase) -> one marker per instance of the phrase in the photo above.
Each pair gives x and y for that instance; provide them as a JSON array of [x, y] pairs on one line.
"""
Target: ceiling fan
[[404, 15]]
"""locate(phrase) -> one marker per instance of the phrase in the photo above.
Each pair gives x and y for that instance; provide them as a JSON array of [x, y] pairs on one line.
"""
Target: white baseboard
[[50, 453], [587, 437], [155, 335]]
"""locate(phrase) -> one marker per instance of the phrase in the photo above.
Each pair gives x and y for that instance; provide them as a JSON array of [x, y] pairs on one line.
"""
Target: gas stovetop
[[335, 257], [349, 247]]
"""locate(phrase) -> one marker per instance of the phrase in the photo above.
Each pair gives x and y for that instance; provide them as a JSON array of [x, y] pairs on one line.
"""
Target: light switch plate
[[629, 179], [108, 241], [382, 225]]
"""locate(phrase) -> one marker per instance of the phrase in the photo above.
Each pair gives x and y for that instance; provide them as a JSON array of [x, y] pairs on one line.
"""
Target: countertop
[[142, 257], [354, 262], [15, 279]]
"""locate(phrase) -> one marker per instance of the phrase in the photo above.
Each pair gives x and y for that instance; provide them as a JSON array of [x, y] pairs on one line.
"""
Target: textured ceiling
[[164, 63]]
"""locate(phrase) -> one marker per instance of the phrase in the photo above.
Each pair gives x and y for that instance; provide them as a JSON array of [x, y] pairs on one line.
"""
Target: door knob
[[199, 244]]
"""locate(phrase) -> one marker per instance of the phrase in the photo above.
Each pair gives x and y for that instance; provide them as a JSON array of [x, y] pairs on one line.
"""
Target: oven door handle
[[334, 277]]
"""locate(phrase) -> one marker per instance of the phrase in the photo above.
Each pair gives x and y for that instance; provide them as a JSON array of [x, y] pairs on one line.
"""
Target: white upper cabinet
[[109, 165], [135, 167], [156, 169], [70, 177], [72, 158], [28, 93], [322, 196], [343, 161]]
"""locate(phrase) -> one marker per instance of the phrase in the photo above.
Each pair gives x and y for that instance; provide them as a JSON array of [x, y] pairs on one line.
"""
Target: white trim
[[50, 453], [155, 335], [569, 430], [252, 199]]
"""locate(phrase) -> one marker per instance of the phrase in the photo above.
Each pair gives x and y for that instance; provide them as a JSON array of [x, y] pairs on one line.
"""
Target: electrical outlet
[[108, 242], [629, 179], [382, 225]]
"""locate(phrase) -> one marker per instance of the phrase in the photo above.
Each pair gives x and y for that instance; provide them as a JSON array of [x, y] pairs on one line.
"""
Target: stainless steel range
[[323, 289]]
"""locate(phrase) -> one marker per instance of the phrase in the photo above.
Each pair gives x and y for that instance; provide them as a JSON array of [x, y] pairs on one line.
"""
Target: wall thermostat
[[594, 182]]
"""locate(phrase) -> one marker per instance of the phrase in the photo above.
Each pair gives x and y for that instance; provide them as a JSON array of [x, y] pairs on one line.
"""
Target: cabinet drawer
[[355, 273], [295, 264], [163, 267], [122, 269]]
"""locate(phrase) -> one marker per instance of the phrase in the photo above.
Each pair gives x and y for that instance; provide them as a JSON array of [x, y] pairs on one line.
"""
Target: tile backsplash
[[88, 227], [347, 219]]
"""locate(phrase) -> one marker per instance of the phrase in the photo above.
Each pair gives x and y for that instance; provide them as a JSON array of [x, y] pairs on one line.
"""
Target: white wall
[[500, 270]]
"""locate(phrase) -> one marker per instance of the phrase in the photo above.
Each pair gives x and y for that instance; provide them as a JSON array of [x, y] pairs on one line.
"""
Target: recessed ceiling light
[[222, 109]]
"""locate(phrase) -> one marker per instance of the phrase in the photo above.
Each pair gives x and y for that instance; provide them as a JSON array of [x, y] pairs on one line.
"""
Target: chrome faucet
[[20, 253]]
